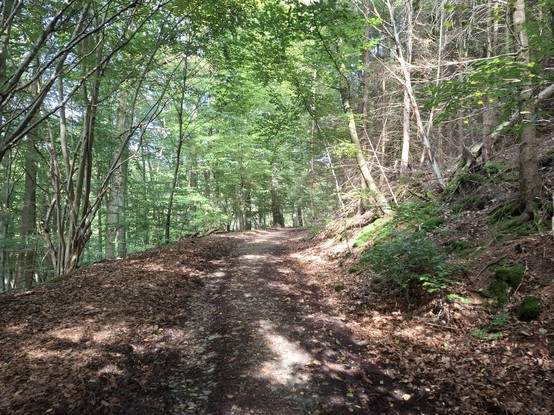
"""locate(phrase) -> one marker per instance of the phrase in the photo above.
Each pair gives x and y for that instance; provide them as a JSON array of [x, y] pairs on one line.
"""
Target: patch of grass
[[468, 202], [432, 223], [456, 297], [457, 207], [484, 334], [502, 214], [492, 168], [467, 176]]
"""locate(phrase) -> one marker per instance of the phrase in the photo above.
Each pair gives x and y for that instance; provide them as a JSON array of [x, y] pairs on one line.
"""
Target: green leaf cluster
[[411, 260]]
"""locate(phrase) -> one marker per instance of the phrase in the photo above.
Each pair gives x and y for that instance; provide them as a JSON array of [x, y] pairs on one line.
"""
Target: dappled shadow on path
[[282, 350], [196, 327]]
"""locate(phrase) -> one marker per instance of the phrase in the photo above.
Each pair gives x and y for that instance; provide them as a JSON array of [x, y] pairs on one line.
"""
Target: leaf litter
[[171, 331]]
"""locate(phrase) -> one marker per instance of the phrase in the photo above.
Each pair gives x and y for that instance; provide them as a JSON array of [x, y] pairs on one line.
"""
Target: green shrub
[[510, 275], [497, 291], [458, 245], [501, 319], [431, 224], [409, 260], [492, 168], [530, 308]]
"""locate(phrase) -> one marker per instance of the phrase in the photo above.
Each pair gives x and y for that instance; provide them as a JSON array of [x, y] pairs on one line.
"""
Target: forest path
[[268, 342], [229, 324]]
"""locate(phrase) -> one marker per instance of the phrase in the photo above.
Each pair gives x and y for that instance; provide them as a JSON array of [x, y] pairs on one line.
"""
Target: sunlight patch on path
[[287, 361]]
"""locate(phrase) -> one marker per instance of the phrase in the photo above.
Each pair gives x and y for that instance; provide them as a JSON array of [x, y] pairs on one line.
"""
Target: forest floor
[[261, 322]]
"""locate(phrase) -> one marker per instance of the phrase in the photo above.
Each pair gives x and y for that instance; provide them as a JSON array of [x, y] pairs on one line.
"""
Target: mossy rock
[[497, 291], [510, 275], [530, 308]]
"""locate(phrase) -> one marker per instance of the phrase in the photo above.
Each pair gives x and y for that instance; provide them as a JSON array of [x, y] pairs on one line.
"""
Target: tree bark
[[27, 230], [406, 119], [530, 182], [380, 199]]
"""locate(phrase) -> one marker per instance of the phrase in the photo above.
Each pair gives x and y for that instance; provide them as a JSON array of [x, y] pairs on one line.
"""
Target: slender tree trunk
[[408, 88], [27, 230], [406, 110], [490, 114], [376, 193], [278, 218], [175, 180], [248, 209], [530, 183]]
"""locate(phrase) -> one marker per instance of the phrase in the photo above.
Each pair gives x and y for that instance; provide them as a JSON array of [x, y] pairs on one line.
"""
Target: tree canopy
[[129, 124]]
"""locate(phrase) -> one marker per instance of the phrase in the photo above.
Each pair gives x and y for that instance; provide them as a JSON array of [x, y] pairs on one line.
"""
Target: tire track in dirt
[[265, 342]]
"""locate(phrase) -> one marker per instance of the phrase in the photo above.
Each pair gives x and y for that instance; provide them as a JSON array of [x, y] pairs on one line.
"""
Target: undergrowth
[[408, 261]]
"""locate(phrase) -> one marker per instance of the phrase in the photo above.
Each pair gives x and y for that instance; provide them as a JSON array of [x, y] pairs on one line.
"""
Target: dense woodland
[[129, 124]]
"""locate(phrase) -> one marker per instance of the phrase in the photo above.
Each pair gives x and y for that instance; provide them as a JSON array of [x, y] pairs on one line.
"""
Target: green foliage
[[530, 308], [472, 177], [488, 82], [456, 297], [431, 224], [314, 230], [498, 292], [484, 334], [492, 168], [458, 245], [408, 259], [500, 319], [457, 207], [510, 275], [374, 231]]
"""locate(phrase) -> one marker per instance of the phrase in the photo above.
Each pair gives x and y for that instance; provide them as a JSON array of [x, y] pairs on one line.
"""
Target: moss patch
[[530, 308], [510, 275], [497, 291], [373, 231]]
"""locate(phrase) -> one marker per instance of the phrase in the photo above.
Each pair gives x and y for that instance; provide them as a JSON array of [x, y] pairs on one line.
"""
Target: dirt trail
[[269, 344], [230, 324]]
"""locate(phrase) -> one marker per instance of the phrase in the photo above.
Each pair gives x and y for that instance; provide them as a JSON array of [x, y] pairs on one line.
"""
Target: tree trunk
[[490, 114], [276, 209], [408, 89], [376, 194], [116, 197], [530, 182], [27, 230], [406, 110]]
